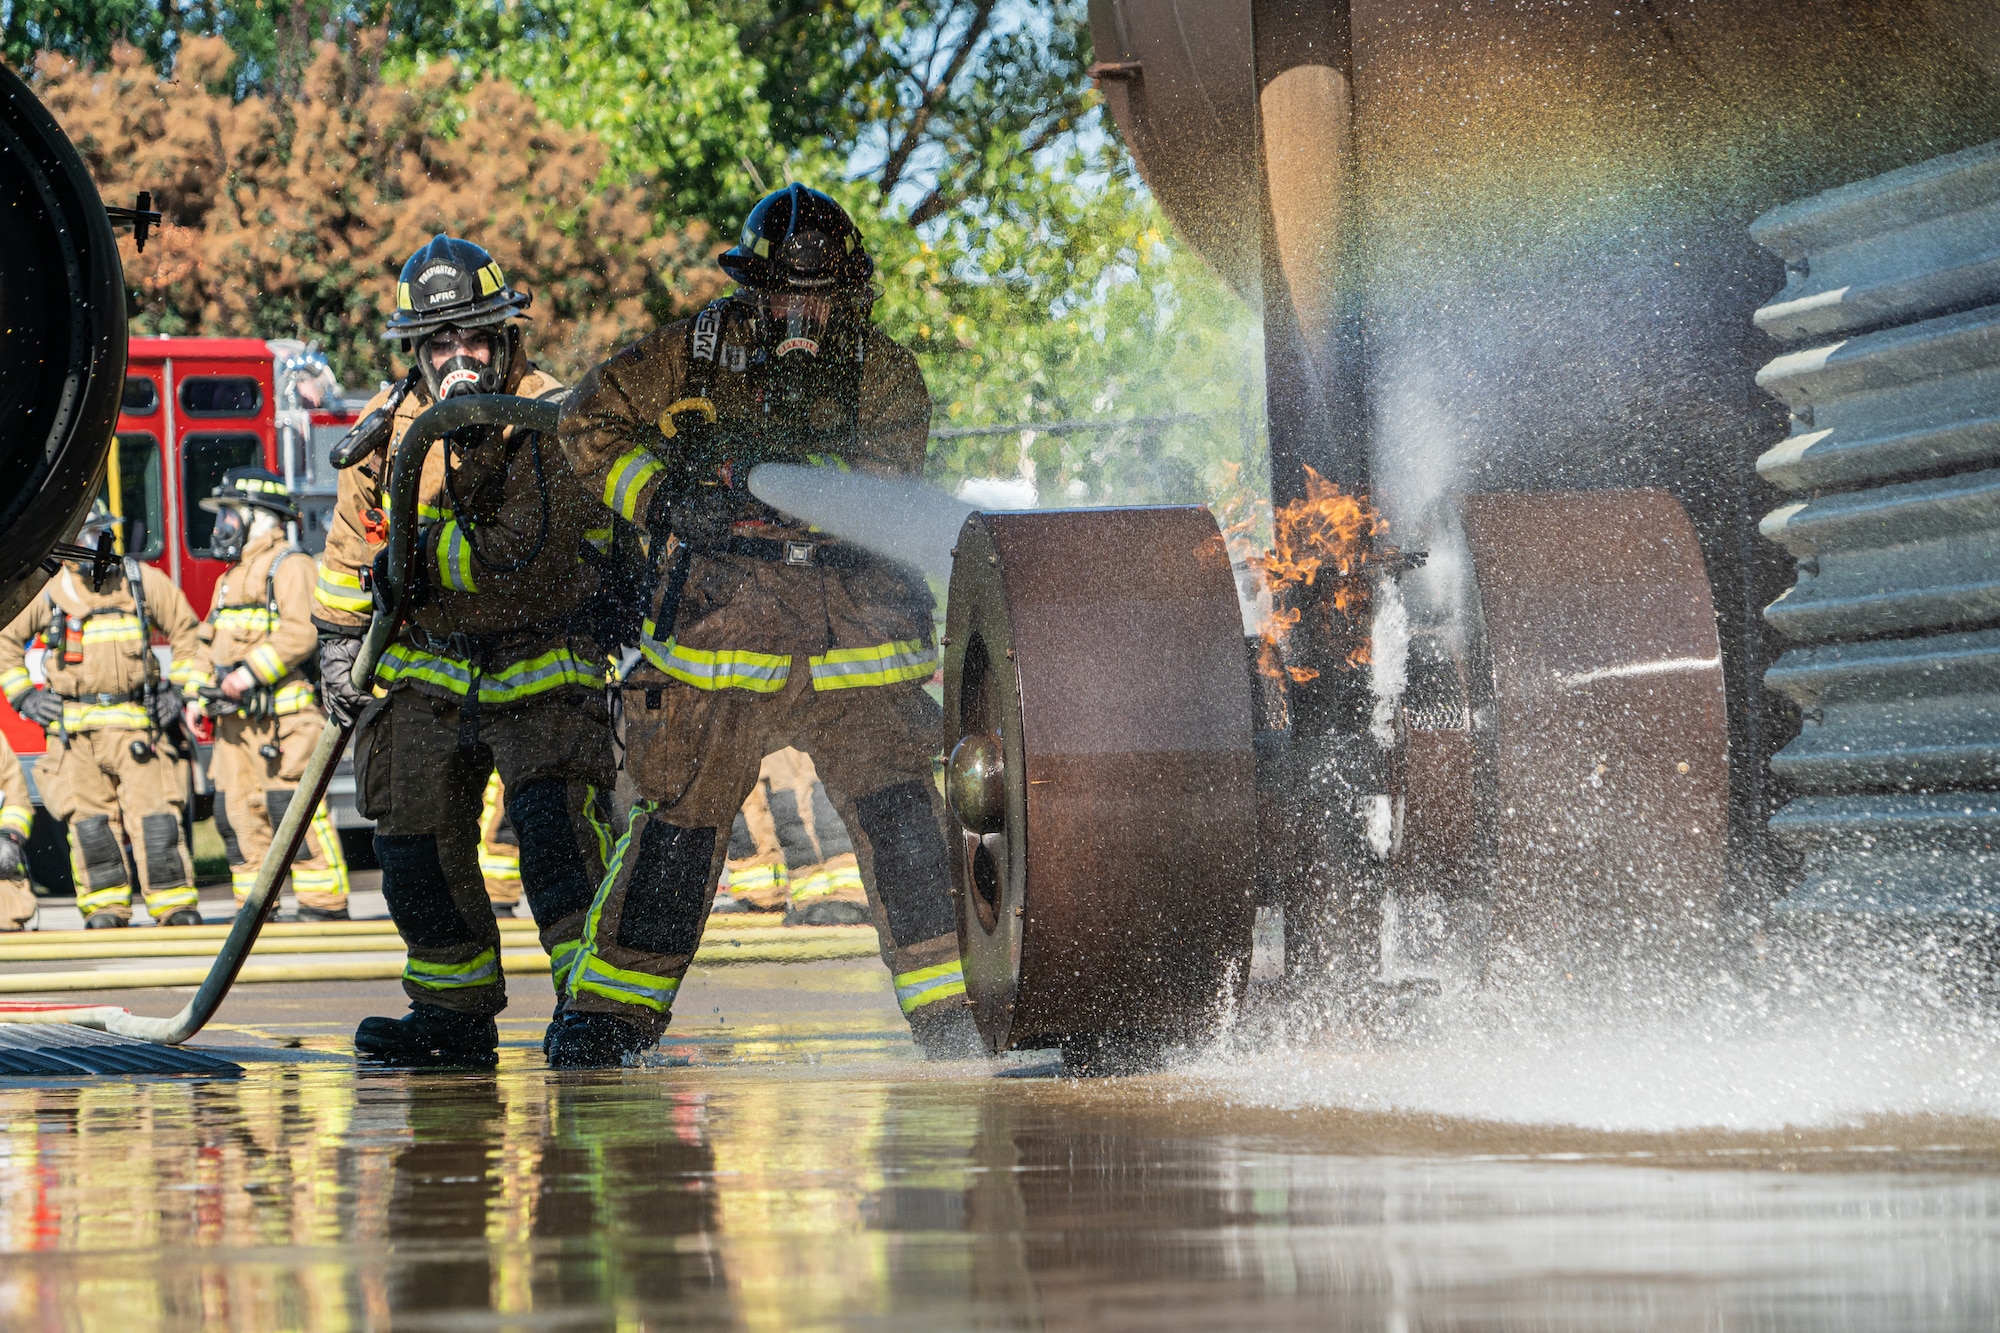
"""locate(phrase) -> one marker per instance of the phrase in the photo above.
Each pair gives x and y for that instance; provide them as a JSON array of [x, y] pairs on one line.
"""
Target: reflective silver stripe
[[629, 476], [886, 664], [592, 973], [930, 984], [480, 970]]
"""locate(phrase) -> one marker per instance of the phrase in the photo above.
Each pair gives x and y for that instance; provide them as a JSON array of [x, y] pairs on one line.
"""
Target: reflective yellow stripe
[[242, 879], [483, 969], [245, 620], [104, 717], [265, 664], [536, 675], [186, 673], [455, 559], [883, 664], [720, 669], [592, 975], [113, 627], [428, 513], [15, 682], [562, 958], [341, 591], [753, 879], [627, 479], [328, 838], [929, 985], [499, 863], [163, 901], [641, 810], [307, 880], [293, 697], [18, 819], [816, 885], [118, 895]]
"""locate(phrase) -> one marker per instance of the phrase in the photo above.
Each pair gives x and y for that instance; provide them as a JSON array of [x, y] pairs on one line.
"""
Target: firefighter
[[493, 668], [499, 850], [117, 763], [789, 851], [760, 632], [257, 639], [17, 821]]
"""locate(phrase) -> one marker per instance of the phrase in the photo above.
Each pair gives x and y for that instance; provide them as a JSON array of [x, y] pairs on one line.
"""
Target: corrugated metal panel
[[1895, 447], [1889, 249]]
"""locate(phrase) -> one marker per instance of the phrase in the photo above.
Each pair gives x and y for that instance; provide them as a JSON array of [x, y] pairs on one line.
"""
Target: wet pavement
[[786, 1163]]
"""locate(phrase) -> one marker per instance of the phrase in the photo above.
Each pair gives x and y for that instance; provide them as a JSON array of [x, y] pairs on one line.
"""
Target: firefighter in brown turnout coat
[[116, 767], [759, 633], [494, 669], [257, 638]]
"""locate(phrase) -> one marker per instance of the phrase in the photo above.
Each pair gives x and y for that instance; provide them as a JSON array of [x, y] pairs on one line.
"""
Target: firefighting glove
[[419, 590], [168, 705], [700, 518], [336, 678], [43, 707], [10, 854]]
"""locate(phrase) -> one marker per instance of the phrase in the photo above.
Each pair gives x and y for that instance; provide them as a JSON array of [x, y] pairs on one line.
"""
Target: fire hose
[[405, 472]]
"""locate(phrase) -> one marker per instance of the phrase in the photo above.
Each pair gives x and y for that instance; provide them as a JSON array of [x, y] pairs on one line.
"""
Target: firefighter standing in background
[[116, 767], [789, 851], [761, 633], [258, 636], [499, 850], [493, 667], [17, 821]]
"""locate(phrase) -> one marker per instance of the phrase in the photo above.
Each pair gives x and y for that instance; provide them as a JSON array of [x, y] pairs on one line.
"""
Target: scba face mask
[[459, 371], [225, 539]]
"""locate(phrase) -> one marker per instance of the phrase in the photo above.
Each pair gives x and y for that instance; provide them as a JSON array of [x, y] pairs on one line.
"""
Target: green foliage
[[668, 92]]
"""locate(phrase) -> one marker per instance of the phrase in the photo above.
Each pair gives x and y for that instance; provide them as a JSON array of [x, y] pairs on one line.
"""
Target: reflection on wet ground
[[787, 1164]]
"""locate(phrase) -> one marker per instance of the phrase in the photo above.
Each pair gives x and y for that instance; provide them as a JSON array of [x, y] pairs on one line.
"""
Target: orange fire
[[1328, 533]]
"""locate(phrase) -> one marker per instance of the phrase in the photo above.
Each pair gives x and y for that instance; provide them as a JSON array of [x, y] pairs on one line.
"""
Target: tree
[[294, 218]]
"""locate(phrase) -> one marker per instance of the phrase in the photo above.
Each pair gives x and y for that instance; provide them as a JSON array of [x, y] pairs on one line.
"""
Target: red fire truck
[[193, 408]]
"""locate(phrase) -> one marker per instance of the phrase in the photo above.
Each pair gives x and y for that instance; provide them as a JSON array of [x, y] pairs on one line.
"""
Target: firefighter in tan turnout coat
[[258, 636], [117, 763], [760, 633], [495, 668]]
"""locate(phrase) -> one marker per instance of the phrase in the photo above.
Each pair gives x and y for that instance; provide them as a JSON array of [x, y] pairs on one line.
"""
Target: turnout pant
[[111, 797], [255, 790], [694, 755], [425, 792]]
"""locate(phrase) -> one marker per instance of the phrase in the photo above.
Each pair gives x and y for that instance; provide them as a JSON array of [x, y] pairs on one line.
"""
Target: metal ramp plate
[[64, 1050]]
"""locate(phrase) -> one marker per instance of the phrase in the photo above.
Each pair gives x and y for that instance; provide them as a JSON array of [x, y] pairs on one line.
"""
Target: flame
[[1327, 534]]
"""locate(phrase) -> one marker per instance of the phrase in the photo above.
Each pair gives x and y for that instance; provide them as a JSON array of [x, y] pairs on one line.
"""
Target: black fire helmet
[[254, 486], [453, 284], [799, 238]]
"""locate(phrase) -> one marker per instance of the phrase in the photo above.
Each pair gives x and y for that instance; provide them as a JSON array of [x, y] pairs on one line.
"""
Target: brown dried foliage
[[293, 219]]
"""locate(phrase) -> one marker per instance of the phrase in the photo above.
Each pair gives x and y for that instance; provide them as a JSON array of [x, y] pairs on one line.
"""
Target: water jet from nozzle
[[899, 518]]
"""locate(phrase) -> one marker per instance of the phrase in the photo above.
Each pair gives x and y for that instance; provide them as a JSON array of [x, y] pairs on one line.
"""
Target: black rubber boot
[[593, 1041], [944, 1030], [324, 913], [104, 921], [185, 916], [503, 909], [429, 1038]]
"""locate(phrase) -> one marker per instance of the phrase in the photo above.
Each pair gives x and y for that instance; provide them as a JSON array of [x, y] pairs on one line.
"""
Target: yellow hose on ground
[[173, 944], [855, 942], [11, 940]]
